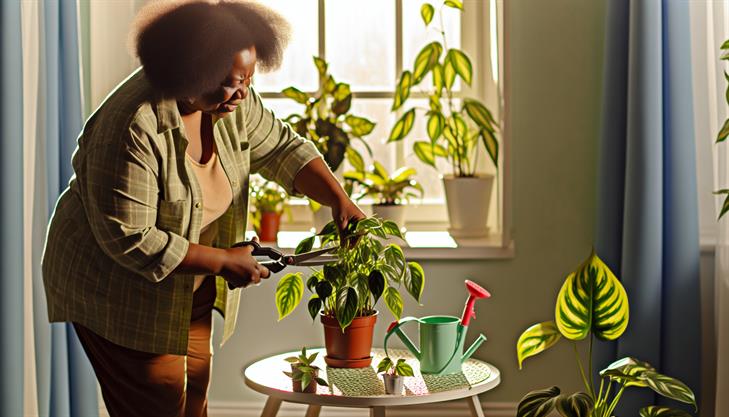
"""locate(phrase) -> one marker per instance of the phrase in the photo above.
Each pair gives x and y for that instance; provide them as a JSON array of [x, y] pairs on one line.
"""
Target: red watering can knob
[[391, 326]]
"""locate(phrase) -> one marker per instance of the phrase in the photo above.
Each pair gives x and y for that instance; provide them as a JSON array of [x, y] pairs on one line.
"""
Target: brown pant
[[141, 384]]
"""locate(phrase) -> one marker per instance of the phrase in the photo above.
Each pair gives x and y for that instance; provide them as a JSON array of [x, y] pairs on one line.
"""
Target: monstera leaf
[[536, 339], [592, 300]]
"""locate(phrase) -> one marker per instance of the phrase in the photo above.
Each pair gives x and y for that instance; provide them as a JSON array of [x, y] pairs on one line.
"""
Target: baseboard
[[453, 408]]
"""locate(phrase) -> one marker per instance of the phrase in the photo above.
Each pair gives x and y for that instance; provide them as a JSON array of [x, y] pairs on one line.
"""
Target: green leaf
[[725, 45], [289, 291], [462, 64], [724, 207], [393, 300], [321, 382], [395, 258], [403, 174], [403, 90], [538, 403], [456, 4], [314, 307], [627, 371], [340, 107], [292, 359], [379, 170], [403, 126], [592, 300], [342, 91], [403, 369], [425, 60], [329, 229], [479, 114], [321, 66], [449, 72], [536, 339], [415, 280], [346, 306], [355, 159], [311, 282], [366, 225], [438, 78], [424, 152], [436, 122], [669, 387], [578, 404], [384, 365], [305, 245], [305, 380], [392, 229], [296, 94], [376, 283], [654, 411], [359, 126], [324, 289], [491, 144], [426, 12], [724, 132]]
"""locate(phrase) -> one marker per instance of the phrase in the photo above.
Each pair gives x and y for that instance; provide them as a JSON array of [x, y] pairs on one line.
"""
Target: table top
[[363, 387]]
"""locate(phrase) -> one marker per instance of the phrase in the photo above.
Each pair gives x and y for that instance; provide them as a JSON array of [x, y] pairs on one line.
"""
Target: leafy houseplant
[[345, 292], [394, 374], [593, 304], [269, 203], [304, 375], [389, 191], [724, 131], [454, 131], [328, 123]]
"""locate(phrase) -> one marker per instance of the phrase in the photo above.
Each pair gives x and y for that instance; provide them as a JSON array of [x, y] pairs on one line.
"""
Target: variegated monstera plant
[[593, 304]]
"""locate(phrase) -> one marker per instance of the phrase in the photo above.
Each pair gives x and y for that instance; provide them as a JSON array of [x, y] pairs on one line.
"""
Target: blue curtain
[[11, 211], [647, 229], [66, 382]]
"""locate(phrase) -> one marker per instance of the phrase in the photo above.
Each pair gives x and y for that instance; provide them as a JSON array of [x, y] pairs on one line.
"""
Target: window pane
[[416, 35], [360, 43], [378, 111], [282, 107], [298, 67]]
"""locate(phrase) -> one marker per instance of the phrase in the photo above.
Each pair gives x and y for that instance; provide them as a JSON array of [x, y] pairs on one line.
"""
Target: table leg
[[271, 407], [377, 411], [474, 404], [313, 410]]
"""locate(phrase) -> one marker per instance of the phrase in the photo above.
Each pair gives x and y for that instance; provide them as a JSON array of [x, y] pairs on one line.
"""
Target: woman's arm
[[236, 265]]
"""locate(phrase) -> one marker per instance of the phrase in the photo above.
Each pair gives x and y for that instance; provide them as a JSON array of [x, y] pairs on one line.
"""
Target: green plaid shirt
[[134, 204]]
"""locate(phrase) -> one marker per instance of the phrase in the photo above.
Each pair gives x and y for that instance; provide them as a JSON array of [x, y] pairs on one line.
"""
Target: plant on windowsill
[[388, 191], [593, 304], [393, 374], [455, 132], [328, 123], [304, 374], [344, 293], [269, 203], [724, 131]]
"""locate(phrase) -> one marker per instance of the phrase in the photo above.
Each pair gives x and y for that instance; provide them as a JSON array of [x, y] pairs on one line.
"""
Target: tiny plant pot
[[296, 385], [268, 230], [393, 384], [352, 347]]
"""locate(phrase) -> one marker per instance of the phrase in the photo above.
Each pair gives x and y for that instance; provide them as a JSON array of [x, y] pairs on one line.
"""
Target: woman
[[159, 196]]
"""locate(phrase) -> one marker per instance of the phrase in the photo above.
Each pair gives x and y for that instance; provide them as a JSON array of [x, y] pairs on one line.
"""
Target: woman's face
[[233, 90]]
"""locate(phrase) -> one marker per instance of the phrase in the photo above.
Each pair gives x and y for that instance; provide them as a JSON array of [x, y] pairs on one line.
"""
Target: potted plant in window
[[304, 374], [455, 132], [344, 293], [388, 191], [593, 304], [327, 121], [393, 374], [269, 203]]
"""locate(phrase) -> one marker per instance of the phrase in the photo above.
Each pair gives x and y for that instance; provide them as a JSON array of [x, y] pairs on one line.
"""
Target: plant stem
[[589, 366], [582, 371], [614, 403]]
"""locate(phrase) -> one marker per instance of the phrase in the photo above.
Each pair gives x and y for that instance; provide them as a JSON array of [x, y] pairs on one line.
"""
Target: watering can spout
[[476, 344]]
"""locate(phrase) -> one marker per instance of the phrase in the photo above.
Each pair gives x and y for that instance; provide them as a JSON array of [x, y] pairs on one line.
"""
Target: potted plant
[[393, 374], [593, 304], [328, 123], [269, 203], [344, 293], [388, 191], [455, 131], [304, 374]]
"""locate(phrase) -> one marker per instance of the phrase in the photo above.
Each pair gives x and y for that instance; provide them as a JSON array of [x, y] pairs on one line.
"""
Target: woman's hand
[[241, 269], [343, 213]]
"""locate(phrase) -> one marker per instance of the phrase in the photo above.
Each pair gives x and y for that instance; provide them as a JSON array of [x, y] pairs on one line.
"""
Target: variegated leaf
[[578, 404], [669, 387], [536, 339], [538, 403], [289, 291], [627, 371], [592, 300], [653, 411]]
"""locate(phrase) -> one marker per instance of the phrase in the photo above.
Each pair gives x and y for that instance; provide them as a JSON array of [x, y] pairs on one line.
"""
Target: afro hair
[[187, 48]]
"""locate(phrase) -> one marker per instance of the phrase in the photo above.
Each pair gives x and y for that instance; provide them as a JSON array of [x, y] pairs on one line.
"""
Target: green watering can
[[442, 337]]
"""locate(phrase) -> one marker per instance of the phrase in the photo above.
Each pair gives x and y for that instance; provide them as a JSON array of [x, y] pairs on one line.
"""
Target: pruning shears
[[278, 261]]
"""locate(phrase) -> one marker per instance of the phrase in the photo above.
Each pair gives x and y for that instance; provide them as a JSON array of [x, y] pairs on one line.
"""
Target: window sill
[[423, 245]]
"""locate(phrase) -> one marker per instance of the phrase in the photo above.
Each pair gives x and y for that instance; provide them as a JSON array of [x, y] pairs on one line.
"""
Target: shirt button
[[197, 205], [234, 183]]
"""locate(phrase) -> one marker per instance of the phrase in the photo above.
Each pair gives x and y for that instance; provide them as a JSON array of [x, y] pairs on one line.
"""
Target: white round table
[[363, 388]]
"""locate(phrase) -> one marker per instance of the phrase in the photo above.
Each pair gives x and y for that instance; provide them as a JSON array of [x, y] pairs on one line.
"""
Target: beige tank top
[[216, 197]]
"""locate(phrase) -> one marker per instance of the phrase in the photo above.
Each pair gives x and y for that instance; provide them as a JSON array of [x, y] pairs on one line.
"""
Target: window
[[367, 45]]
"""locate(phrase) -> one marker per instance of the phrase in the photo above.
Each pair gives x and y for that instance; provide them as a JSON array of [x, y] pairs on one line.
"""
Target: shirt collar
[[168, 116]]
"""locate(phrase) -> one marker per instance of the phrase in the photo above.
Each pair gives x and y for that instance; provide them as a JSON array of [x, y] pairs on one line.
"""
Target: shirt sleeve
[[277, 151], [120, 188]]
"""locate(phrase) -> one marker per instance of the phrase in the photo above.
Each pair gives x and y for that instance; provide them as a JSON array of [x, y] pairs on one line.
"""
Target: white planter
[[394, 212], [468, 202]]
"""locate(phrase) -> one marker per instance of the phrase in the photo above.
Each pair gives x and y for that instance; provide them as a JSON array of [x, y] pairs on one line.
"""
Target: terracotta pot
[[268, 230], [351, 348], [296, 385]]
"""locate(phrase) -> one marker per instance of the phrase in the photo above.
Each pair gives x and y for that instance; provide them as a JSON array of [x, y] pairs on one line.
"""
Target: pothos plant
[[383, 187], [724, 131], [454, 131], [327, 122], [592, 304], [365, 271], [266, 197]]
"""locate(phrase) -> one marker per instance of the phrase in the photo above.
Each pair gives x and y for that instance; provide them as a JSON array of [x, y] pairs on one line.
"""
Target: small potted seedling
[[269, 203], [304, 375], [394, 374]]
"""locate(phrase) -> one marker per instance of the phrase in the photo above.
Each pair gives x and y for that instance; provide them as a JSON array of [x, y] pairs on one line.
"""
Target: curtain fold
[[647, 228]]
